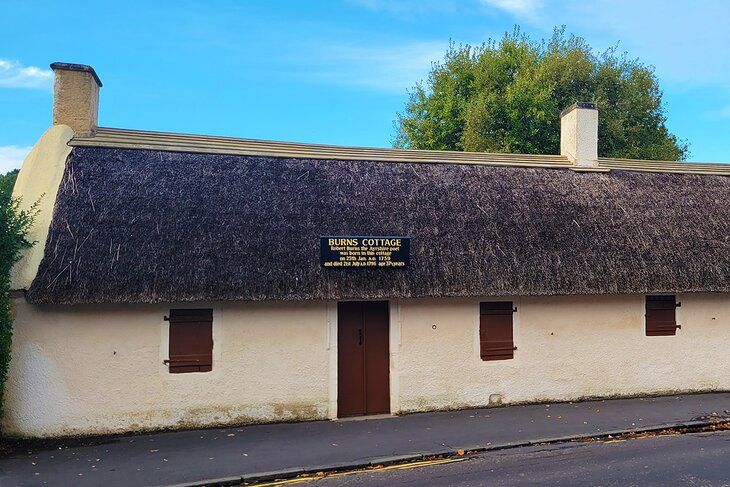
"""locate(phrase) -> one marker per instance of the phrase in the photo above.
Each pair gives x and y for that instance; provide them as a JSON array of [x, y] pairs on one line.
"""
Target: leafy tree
[[14, 226], [7, 182], [507, 97]]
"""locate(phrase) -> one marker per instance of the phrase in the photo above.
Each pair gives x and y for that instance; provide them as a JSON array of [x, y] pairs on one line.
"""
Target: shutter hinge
[[678, 305], [171, 361], [166, 318]]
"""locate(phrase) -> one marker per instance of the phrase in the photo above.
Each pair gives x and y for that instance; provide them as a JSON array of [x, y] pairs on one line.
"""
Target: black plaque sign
[[365, 252]]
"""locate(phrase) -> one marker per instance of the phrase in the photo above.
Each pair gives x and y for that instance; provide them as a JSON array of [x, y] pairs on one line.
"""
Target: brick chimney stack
[[76, 97]]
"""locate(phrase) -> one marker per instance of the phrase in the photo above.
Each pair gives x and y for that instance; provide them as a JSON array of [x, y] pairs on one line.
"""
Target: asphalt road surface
[[699, 459]]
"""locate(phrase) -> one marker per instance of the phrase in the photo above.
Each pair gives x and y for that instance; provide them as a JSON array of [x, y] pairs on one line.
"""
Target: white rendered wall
[[37, 183], [567, 348], [98, 369]]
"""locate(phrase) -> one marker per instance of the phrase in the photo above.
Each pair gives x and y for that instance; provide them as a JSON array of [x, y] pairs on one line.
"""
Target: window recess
[[191, 340], [496, 340], [661, 315]]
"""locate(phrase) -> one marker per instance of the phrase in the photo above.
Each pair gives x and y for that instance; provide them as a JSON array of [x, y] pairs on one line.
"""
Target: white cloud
[[11, 157], [524, 8], [388, 68], [15, 75]]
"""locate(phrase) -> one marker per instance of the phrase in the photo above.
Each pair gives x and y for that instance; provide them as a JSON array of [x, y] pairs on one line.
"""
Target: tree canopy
[[507, 96]]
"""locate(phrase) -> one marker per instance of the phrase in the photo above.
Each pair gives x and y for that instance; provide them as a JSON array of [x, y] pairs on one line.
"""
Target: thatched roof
[[151, 225]]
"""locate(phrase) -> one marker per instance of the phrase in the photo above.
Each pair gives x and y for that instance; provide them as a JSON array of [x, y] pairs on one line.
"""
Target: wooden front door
[[363, 362]]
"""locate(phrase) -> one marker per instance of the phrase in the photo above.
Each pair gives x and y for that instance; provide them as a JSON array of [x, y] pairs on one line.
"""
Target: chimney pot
[[76, 97], [579, 134]]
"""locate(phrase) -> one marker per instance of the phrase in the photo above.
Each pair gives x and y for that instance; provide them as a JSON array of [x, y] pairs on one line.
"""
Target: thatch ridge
[[206, 144], [156, 226]]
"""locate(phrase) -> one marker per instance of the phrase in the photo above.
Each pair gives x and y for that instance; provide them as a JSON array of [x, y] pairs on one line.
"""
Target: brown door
[[363, 362]]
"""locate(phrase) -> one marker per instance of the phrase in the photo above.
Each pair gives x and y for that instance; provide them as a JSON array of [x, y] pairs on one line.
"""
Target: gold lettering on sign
[[341, 241], [365, 252]]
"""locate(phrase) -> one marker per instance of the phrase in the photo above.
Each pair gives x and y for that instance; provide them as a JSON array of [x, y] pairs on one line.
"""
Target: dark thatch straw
[[151, 226]]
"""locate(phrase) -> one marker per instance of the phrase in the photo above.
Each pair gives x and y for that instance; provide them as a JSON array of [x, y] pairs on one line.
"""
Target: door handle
[[359, 336]]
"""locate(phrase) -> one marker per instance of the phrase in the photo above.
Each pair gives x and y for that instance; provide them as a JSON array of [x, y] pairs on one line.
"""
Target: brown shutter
[[661, 316], [191, 340], [495, 330]]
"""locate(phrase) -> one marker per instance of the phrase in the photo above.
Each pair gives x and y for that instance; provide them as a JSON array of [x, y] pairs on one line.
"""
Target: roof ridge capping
[[215, 144], [106, 134], [578, 139], [176, 142]]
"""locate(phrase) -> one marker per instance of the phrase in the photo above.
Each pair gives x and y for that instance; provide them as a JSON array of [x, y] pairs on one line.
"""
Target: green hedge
[[14, 226]]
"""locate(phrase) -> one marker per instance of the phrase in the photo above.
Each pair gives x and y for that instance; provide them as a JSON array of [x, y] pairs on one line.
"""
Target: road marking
[[403, 466], [290, 481]]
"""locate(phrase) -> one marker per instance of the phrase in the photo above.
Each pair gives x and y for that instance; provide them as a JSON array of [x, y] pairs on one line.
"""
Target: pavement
[[260, 452]]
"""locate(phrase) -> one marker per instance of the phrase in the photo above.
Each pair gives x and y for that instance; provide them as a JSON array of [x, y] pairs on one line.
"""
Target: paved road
[[187, 456], [701, 459]]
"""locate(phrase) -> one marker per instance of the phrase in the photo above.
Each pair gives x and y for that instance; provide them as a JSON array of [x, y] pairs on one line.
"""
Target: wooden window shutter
[[191, 340], [495, 330], [661, 316]]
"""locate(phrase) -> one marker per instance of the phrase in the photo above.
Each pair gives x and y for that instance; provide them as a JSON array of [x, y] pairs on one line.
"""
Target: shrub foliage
[[14, 226]]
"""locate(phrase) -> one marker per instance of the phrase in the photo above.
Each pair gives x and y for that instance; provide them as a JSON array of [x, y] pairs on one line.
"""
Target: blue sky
[[331, 71]]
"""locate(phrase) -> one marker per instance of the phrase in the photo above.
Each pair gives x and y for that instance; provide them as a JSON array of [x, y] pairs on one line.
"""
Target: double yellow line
[[403, 466]]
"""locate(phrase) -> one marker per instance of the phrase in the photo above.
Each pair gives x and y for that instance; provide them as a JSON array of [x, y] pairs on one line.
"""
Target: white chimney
[[76, 97], [579, 134]]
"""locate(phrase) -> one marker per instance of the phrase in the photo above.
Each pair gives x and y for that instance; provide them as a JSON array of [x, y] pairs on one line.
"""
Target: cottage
[[183, 280]]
